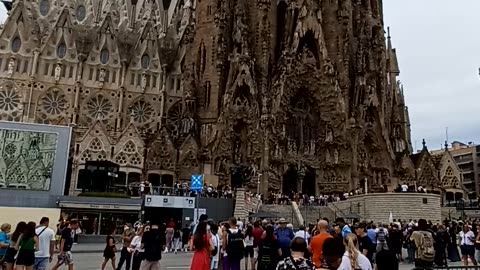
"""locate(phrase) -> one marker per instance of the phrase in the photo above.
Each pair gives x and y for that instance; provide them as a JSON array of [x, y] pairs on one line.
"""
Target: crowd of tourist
[[183, 189]]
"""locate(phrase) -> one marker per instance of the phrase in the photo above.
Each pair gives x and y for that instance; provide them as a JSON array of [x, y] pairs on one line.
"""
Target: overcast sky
[[438, 46]]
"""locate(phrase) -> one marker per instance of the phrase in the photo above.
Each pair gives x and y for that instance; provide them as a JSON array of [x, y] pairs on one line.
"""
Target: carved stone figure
[[329, 134], [328, 158], [335, 156], [144, 81], [58, 72], [102, 75], [11, 66]]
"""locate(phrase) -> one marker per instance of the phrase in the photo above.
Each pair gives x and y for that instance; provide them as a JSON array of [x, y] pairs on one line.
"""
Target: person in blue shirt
[[4, 239], [343, 226], [285, 236]]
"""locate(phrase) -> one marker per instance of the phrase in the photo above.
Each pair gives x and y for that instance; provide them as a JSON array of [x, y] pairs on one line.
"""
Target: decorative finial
[[446, 146], [388, 32], [424, 145]]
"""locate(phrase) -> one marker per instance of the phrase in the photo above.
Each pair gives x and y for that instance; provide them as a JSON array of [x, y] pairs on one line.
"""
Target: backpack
[[381, 235], [426, 251], [235, 245]]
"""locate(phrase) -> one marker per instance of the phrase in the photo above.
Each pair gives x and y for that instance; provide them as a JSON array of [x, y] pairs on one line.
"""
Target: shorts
[[66, 259], [41, 263], [10, 255], [468, 250], [249, 252], [26, 257]]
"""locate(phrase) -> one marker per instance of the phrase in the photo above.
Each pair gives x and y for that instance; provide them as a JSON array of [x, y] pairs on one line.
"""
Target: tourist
[[364, 243], [66, 243], [333, 250], [440, 245], [215, 256], [125, 254], [257, 236], [423, 240], [284, 235], [11, 251], [26, 246], [269, 250], [4, 241], [224, 262], [110, 250], [203, 246], [343, 226], [352, 258], [297, 260], [234, 245], [46, 245], [177, 235], [169, 236], [136, 246], [302, 233], [467, 245], [381, 235], [386, 260], [185, 237], [249, 253], [316, 246], [153, 242], [395, 241], [452, 248]]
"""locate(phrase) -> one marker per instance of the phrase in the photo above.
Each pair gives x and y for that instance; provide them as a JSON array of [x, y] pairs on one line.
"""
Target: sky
[[438, 49]]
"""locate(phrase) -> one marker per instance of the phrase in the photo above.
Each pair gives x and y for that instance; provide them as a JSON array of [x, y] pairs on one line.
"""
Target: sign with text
[[169, 201]]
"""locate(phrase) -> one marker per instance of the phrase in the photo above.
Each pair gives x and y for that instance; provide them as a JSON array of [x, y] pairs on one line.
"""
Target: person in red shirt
[[257, 237], [171, 223]]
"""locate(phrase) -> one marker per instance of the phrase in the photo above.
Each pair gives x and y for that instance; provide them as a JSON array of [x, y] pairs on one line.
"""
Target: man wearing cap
[[284, 236]]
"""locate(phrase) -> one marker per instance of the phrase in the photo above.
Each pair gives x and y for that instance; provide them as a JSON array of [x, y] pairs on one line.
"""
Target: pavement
[[90, 256]]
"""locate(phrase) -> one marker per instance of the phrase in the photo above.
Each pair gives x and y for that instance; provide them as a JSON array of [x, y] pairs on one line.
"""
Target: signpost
[[196, 185]]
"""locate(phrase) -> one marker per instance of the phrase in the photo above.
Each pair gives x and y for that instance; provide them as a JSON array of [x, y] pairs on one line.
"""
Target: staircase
[[240, 212]]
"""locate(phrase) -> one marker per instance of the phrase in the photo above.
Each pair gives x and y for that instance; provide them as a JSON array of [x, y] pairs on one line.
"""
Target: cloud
[[438, 56]]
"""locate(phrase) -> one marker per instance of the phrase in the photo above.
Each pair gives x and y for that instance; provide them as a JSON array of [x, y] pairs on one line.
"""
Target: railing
[[136, 191], [447, 268]]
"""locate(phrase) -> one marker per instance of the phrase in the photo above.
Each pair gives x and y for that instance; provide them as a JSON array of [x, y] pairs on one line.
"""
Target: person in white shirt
[[404, 187], [46, 245], [352, 258], [216, 247], [136, 247], [302, 233], [467, 245]]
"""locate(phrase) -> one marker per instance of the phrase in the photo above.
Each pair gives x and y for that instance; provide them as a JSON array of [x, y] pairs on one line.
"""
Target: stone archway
[[289, 181]]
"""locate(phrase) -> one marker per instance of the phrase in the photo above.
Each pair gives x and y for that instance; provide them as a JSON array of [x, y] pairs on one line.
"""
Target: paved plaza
[[91, 260]]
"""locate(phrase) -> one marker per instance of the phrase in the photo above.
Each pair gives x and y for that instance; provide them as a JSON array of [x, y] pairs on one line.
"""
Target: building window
[[154, 81], [25, 66], [45, 69], [16, 44], [132, 79], [90, 75], [104, 56], [114, 77], [70, 73], [209, 10], [145, 61], [44, 7], [81, 13], [107, 76], [61, 50], [139, 79]]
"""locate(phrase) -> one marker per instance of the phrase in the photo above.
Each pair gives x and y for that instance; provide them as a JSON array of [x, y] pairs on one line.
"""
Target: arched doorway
[[289, 183], [309, 183]]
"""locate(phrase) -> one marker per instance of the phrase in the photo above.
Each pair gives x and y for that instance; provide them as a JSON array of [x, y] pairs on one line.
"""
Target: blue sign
[[197, 182]]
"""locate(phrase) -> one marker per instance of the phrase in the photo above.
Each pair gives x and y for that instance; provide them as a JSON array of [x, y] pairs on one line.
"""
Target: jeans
[[41, 263], [137, 260], [125, 257]]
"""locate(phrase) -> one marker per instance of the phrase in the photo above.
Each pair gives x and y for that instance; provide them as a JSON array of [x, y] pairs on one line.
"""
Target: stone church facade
[[286, 95]]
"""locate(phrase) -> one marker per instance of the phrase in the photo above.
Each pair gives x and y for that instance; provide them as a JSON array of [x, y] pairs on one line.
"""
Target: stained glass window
[[44, 7], [104, 56], [145, 61], [16, 44], [81, 13], [61, 50]]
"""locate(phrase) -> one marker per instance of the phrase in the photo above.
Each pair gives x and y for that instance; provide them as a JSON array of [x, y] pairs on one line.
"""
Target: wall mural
[[26, 159]]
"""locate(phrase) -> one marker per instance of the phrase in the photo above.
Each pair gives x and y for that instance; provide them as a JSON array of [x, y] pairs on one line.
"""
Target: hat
[[282, 220]]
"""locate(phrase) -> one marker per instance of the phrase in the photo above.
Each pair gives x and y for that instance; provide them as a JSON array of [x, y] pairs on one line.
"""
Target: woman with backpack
[[26, 246], [202, 244], [269, 250]]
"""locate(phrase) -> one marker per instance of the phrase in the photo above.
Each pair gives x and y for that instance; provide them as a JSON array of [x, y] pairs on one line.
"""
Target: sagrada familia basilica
[[284, 95]]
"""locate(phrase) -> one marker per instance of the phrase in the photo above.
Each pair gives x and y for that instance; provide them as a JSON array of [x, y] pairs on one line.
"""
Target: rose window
[[10, 149], [174, 119], [54, 103], [142, 111], [99, 107], [9, 100]]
